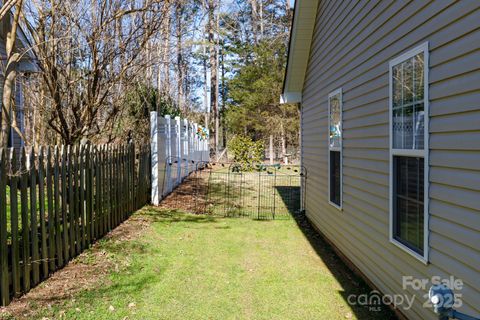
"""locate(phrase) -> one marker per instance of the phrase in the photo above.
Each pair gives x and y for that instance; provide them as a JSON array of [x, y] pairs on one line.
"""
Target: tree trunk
[[217, 86], [254, 19], [271, 149], [284, 143], [287, 8], [10, 75], [213, 71], [224, 127], [166, 54], [260, 14], [180, 93], [205, 89]]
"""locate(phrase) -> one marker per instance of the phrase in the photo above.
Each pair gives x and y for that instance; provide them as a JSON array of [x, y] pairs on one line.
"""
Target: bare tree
[[87, 57], [164, 50]]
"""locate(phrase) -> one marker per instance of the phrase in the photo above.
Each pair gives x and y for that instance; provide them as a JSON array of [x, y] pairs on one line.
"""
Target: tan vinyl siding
[[17, 141], [352, 45]]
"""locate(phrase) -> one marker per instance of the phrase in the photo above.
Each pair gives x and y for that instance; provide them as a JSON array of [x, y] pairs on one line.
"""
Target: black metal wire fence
[[232, 190]]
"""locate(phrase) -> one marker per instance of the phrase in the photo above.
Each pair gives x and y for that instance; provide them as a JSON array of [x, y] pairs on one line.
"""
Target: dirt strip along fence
[[56, 201]]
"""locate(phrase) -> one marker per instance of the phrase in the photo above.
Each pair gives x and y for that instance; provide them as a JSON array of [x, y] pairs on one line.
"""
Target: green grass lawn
[[186, 266]]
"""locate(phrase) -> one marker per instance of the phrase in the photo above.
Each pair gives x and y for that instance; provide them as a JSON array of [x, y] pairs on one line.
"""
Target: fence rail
[[55, 202]]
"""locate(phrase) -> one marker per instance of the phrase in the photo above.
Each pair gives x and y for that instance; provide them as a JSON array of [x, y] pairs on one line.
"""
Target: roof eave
[[303, 24], [290, 97]]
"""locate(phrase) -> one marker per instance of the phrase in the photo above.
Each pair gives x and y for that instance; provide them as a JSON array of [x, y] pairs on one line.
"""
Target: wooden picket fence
[[55, 202]]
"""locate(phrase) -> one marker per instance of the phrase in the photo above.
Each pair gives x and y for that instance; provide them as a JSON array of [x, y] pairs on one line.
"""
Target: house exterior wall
[[352, 45], [16, 140]]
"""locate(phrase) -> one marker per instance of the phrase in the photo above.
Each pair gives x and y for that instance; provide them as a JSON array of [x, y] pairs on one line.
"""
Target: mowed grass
[[202, 267]]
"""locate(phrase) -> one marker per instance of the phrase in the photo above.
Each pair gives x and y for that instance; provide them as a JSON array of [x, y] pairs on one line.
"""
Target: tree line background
[[104, 65]]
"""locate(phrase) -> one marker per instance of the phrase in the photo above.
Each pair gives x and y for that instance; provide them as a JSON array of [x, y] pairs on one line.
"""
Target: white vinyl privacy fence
[[178, 147]]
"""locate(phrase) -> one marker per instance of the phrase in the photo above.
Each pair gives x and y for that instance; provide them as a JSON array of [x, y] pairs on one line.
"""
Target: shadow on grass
[[290, 196], [351, 283], [128, 286]]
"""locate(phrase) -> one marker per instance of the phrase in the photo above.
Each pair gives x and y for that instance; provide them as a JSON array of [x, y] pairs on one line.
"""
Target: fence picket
[[113, 195], [141, 174], [131, 175], [88, 213], [108, 167], [25, 223], [121, 184], [81, 190], [41, 199], [125, 180], [91, 188], [71, 197], [65, 243], [129, 188], [56, 198], [76, 196], [132, 178], [123, 193], [96, 195], [103, 191], [126, 186], [33, 218], [108, 193], [15, 247], [50, 206], [4, 286], [117, 186]]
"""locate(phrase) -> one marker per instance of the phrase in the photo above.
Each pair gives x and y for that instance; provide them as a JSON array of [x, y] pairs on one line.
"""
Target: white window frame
[[339, 149], [423, 48]]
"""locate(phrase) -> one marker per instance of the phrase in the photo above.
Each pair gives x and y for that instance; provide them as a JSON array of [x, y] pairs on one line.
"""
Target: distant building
[[27, 65], [390, 118]]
